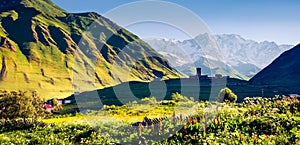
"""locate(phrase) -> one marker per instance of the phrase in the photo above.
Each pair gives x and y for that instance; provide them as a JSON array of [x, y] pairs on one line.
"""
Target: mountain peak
[[43, 6], [40, 35], [235, 37]]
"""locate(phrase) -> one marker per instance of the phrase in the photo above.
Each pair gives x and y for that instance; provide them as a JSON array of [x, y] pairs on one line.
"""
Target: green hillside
[[39, 42]]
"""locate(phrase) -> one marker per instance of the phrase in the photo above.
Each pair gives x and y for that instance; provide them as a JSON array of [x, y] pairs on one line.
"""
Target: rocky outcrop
[[7, 44], [3, 72]]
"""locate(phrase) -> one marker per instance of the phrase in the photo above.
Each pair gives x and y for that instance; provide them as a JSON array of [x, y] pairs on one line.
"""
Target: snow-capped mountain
[[237, 50], [227, 54], [283, 71]]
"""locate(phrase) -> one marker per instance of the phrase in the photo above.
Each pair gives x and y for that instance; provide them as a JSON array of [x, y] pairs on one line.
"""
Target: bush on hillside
[[20, 105]]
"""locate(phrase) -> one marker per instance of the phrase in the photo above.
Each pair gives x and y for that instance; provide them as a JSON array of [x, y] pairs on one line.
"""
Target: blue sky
[[271, 20]]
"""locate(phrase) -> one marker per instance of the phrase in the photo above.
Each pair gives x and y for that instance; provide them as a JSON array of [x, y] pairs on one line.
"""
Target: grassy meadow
[[180, 120]]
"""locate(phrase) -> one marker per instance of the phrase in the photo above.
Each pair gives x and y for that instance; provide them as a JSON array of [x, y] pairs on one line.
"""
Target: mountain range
[[227, 54], [283, 71], [45, 48]]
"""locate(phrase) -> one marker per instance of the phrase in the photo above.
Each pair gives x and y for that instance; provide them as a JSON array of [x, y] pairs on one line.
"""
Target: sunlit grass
[[78, 119]]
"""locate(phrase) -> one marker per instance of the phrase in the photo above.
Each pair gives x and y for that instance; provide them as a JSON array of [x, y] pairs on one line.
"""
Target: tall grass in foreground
[[255, 121]]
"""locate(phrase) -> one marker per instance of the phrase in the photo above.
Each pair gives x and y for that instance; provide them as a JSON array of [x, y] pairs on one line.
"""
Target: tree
[[20, 105], [226, 95]]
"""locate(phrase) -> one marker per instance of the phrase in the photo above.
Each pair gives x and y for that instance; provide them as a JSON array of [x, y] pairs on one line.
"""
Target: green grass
[[13, 14], [2, 33], [42, 84], [44, 6]]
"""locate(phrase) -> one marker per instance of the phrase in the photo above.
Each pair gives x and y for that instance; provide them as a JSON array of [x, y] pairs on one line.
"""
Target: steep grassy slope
[[38, 42], [284, 71]]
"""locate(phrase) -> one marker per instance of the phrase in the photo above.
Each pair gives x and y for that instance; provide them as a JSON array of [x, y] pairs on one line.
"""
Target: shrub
[[178, 97], [226, 95], [20, 105], [150, 101]]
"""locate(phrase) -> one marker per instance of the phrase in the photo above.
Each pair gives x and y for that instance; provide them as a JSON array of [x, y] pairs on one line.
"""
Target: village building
[[206, 77]]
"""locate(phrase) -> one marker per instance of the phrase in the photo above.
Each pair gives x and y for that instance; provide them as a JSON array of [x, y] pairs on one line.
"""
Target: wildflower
[[203, 128], [174, 117], [241, 138], [152, 128], [140, 129], [190, 120], [195, 121], [160, 127]]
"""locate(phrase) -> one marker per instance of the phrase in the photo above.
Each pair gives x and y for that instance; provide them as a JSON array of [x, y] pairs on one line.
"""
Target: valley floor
[[177, 121]]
